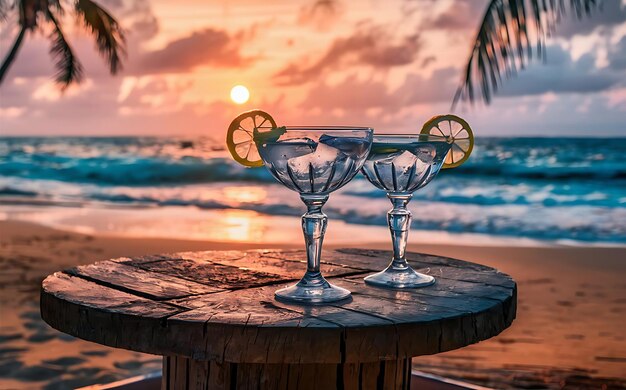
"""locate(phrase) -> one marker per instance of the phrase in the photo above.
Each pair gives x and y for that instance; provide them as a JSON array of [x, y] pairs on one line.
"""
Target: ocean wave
[[10, 191], [156, 171], [580, 223], [552, 173], [137, 161], [134, 172], [550, 200]]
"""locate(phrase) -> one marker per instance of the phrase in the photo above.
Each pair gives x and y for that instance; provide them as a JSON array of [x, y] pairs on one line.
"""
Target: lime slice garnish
[[455, 131], [242, 131]]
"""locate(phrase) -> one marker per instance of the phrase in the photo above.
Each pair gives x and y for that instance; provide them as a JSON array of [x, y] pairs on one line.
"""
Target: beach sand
[[570, 330]]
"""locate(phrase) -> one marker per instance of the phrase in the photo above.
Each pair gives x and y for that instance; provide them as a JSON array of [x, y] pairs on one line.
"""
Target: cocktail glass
[[315, 161], [400, 165]]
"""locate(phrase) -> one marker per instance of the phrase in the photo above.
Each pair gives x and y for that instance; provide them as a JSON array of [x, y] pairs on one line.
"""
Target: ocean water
[[554, 189]]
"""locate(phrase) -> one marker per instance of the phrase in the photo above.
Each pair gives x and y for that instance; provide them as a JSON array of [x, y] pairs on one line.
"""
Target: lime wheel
[[241, 133], [455, 131]]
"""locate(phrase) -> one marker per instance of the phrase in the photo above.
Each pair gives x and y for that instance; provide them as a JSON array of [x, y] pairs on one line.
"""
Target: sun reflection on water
[[241, 226], [245, 194]]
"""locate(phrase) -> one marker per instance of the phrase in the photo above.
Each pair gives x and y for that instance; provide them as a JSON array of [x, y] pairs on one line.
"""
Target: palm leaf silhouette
[[106, 31], [68, 67], [503, 44]]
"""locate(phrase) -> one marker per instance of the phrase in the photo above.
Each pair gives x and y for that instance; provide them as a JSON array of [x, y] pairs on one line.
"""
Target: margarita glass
[[400, 165], [314, 161]]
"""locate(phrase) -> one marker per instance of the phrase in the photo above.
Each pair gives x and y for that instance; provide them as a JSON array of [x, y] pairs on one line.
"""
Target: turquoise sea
[[555, 189]]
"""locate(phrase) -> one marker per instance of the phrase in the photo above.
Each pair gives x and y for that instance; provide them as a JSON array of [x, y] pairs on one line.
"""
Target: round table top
[[219, 305]]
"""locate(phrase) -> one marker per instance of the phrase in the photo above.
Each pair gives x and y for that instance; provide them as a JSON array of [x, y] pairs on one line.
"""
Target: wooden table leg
[[184, 373]]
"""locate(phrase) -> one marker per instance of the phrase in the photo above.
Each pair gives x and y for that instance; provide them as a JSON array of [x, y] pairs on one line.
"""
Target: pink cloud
[[461, 15], [369, 45], [208, 47]]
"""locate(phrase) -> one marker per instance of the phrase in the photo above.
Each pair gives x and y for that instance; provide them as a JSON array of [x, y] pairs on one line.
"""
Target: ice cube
[[326, 153], [294, 147], [321, 161], [426, 153], [303, 140], [384, 152], [384, 156], [405, 160], [354, 147]]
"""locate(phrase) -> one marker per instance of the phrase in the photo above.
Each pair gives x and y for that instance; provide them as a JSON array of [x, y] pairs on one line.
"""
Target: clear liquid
[[403, 167], [315, 166]]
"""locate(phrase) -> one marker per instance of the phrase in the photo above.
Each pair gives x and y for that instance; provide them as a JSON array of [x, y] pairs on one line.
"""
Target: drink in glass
[[314, 161], [400, 165]]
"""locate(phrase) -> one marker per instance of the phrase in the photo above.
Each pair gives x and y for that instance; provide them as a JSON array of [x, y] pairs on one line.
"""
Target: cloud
[[369, 45], [360, 98], [321, 14], [144, 25], [467, 15], [461, 15], [561, 74], [152, 106], [617, 56], [439, 87], [608, 15], [351, 94], [208, 47]]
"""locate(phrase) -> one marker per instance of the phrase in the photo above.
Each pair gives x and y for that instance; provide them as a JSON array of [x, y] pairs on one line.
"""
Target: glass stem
[[314, 223], [399, 220]]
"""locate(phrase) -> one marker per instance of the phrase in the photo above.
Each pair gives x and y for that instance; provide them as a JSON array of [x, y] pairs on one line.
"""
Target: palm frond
[[107, 31], [503, 43], [56, 5], [68, 67]]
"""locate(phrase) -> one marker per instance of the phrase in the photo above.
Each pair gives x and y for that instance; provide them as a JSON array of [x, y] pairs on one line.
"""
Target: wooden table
[[213, 317]]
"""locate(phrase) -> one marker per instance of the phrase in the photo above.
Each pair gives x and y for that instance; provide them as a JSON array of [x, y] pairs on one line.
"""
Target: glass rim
[[411, 136], [327, 128], [407, 135]]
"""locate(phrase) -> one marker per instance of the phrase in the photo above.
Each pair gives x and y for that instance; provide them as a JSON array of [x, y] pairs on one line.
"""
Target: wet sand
[[569, 331]]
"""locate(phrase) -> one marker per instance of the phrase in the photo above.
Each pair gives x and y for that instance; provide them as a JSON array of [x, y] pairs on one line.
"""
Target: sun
[[239, 94]]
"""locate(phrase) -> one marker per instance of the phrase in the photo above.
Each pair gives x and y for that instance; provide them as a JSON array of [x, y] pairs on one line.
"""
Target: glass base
[[399, 277], [312, 289]]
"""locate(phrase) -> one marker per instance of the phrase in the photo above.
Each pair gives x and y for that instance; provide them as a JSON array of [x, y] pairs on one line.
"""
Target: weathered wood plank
[[214, 275], [352, 260], [425, 259], [198, 374], [376, 260], [140, 282], [350, 376], [213, 256], [492, 277], [190, 374], [439, 267], [460, 303], [289, 266], [369, 375], [165, 373], [457, 288], [104, 315], [181, 375], [274, 376], [246, 325], [66, 288], [146, 259]]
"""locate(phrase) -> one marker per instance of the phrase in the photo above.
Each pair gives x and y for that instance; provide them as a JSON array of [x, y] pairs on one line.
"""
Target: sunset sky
[[386, 64]]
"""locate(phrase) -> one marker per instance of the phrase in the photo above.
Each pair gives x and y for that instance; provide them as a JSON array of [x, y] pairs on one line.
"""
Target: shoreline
[[569, 322], [241, 226]]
